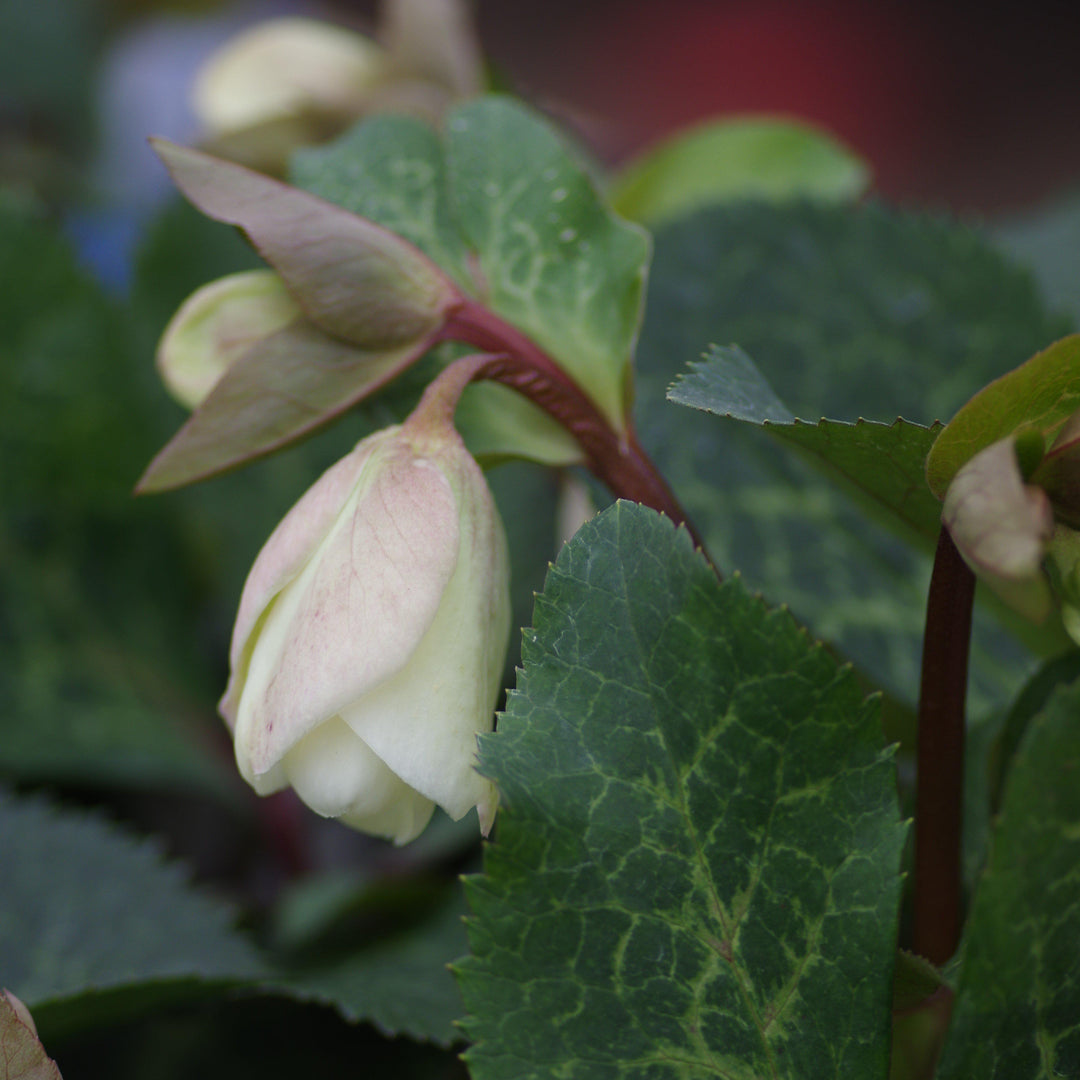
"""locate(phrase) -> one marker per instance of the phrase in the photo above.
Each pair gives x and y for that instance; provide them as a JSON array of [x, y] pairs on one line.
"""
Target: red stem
[[617, 460], [940, 778]]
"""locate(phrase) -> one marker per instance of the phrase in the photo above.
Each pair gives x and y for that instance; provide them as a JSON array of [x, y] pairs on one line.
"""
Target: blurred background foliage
[[115, 613]]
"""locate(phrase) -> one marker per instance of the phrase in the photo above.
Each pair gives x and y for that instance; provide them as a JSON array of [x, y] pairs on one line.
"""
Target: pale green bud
[[284, 68], [215, 326]]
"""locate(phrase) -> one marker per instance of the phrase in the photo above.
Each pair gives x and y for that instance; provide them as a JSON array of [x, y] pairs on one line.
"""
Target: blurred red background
[[968, 108]]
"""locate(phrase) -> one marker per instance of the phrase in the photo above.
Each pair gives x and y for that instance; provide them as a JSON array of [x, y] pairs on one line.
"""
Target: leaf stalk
[[940, 754], [617, 459]]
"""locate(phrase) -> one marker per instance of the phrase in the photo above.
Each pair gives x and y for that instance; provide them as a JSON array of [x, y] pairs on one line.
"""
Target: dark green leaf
[[1017, 1011], [1048, 240], [85, 909], [848, 313], [882, 466], [102, 678], [1031, 701], [915, 980], [403, 984], [695, 872]]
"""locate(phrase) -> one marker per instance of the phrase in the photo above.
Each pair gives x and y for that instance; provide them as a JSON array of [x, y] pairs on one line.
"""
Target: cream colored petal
[[401, 820], [1001, 527], [424, 721], [338, 776], [354, 615], [284, 555], [284, 66]]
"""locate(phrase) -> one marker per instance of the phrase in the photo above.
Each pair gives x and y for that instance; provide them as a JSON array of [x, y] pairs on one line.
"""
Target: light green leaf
[[848, 313], [1039, 395], [498, 423], [86, 911], [502, 206], [881, 465], [1017, 1010], [742, 157], [696, 867]]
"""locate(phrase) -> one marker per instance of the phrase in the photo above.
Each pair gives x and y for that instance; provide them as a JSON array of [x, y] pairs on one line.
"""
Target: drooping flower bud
[[369, 646]]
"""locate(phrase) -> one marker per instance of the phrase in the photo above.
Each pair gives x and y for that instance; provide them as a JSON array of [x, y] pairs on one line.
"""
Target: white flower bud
[[369, 646], [283, 68]]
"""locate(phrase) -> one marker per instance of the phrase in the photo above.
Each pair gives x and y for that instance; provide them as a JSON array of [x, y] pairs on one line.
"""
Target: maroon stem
[[940, 778], [617, 460]]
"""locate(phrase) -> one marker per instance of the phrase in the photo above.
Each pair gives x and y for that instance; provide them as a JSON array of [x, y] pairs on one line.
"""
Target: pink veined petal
[[423, 722], [285, 554], [356, 612]]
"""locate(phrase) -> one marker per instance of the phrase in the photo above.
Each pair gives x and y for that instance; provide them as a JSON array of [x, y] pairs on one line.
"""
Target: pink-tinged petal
[[1001, 526], [284, 386], [22, 1057], [353, 616], [284, 555], [352, 278], [424, 721]]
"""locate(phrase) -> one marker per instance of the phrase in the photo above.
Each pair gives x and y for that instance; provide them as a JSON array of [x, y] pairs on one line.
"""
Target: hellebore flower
[[371, 636], [292, 82]]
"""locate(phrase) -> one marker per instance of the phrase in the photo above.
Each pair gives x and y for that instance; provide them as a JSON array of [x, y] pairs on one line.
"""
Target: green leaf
[[1029, 703], [696, 868], [729, 383], [498, 424], [102, 674], [1017, 1010], [1039, 395], [881, 465], [915, 980], [403, 984], [1048, 240], [745, 157], [848, 313], [503, 207], [86, 910]]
